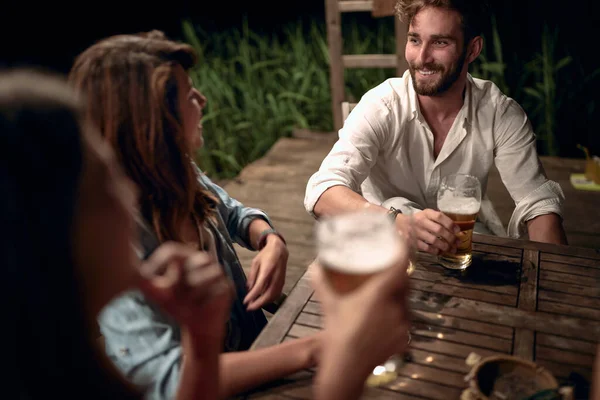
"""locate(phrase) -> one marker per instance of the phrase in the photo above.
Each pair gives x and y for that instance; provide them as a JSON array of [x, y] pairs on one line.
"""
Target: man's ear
[[475, 47]]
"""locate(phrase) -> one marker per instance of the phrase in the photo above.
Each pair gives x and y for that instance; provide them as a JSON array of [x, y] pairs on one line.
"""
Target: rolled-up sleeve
[[143, 345], [355, 152], [237, 217], [522, 171]]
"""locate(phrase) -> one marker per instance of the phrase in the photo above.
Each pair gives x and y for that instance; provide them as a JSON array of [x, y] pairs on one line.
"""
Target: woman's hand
[[267, 273], [190, 286]]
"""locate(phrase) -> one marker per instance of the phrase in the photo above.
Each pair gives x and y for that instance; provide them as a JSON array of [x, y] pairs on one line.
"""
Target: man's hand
[[434, 231], [267, 273]]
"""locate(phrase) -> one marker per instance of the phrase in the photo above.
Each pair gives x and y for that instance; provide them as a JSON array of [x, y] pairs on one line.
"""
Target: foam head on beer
[[453, 203], [357, 244]]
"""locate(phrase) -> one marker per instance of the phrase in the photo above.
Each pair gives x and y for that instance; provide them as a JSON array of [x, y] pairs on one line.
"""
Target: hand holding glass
[[459, 197]]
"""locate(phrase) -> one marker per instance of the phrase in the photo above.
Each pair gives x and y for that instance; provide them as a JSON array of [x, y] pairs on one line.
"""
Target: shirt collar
[[415, 111]]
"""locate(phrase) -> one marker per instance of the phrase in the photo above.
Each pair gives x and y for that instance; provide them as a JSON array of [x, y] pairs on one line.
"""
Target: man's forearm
[[244, 370], [547, 228], [338, 199]]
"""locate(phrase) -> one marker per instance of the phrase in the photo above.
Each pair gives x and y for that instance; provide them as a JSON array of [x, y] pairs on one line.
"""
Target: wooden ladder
[[338, 61]]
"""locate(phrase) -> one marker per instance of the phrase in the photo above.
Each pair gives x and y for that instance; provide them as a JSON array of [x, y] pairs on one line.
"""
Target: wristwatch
[[262, 238], [393, 213]]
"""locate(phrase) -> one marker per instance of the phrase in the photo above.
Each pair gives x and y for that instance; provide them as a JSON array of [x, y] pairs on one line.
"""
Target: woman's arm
[[241, 371], [199, 368], [236, 216]]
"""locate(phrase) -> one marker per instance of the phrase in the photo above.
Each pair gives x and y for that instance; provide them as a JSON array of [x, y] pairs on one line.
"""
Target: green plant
[[545, 69], [260, 88], [492, 67]]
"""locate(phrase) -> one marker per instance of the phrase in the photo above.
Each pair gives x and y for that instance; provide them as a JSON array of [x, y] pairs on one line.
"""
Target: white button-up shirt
[[385, 150]]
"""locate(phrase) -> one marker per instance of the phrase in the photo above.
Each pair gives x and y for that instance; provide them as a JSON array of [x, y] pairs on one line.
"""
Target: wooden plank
[[430, 374], [487, 269], [461, 337], [383, 8], [369, 61], [336, 65], [571, 310], [426, 341], [467, 293], [567, 278], [440, 361], [564, 357], [312, 320], [562, 250], [401, 32], [423, 389], [529, 281], [492, 330], [433, 321], [569, 299], [492, 249], [593, 273], [587, 262], [300, 331], [449, 348], [524, 343], [568, 344], [281, 322], [312, 307], [355, 5], [434, 273], [561, 287], [516, 318]]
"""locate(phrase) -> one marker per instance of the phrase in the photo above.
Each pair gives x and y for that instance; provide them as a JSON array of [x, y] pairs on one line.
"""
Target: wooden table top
[[533, 300]]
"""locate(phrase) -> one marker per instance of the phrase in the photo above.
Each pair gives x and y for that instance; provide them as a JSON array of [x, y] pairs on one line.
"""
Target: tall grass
[[258, 89], [261, 88]]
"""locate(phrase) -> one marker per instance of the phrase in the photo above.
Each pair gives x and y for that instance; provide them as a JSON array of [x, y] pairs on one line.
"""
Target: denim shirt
[[145, 344]]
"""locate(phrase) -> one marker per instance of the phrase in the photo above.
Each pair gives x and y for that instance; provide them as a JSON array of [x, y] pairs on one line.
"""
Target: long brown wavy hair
[[474, 13], [41, 122], [131, 90]]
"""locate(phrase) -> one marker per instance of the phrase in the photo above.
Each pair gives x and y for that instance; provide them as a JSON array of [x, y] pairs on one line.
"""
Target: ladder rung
[[355, 5], [370, 61]]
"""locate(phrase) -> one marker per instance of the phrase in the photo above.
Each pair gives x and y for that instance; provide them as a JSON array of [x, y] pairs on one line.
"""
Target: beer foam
[[358, 243], [449, 202]]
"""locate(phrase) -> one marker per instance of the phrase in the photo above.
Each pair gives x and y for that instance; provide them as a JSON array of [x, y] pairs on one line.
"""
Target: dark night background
[[50, 34]]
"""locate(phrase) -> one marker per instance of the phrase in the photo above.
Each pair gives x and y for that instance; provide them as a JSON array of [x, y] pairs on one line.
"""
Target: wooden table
[[537, 301]]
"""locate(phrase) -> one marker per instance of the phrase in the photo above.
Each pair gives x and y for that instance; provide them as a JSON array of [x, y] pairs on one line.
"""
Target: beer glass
[[459, 197], [353, 247]]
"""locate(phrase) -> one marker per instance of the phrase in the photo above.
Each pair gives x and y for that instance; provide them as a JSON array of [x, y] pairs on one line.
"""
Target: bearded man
[[409, 132]]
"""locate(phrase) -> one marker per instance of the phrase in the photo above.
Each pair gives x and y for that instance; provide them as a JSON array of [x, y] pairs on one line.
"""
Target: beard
[[446, 77]]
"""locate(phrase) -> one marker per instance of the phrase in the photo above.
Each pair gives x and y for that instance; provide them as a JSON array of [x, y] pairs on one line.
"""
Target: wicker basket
[[484, 373]]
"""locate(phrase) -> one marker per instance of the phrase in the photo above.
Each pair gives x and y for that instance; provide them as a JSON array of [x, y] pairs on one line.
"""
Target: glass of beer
[[459, 197], [353, 247]]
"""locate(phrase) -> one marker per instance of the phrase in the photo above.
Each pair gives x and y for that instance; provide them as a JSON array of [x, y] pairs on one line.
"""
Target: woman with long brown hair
[[140, 95], [67, 210]]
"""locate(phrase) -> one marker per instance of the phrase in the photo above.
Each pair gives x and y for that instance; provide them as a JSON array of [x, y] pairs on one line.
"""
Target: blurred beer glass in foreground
[[353, 247], [459, 197]]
